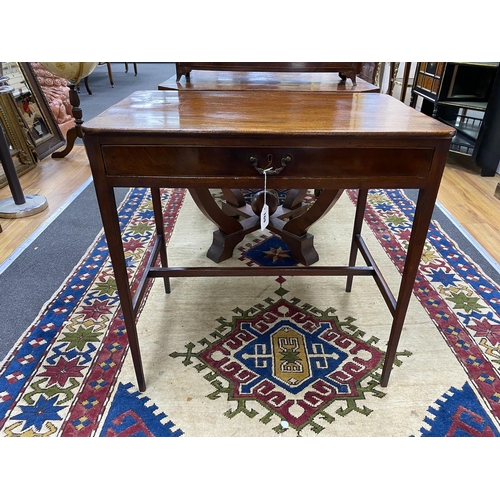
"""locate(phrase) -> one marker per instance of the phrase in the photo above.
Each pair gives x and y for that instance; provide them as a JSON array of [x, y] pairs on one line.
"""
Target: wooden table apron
[[181, 142]]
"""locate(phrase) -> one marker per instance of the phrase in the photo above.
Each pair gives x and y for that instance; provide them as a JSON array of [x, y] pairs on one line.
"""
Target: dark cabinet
[[465, 95]]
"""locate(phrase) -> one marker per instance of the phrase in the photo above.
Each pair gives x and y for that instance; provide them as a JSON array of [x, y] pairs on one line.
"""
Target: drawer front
[[314, 163]]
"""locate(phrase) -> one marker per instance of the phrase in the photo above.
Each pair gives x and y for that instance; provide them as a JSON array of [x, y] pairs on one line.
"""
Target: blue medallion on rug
[[459, 414], [272, 252], [130, 417]]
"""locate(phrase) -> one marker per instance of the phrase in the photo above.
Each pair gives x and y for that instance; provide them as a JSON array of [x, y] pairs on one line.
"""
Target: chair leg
[[86, 81], [135, 68], [110, 74]]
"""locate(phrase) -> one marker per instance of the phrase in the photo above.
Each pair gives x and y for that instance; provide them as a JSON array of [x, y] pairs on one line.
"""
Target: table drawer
[[315, 163]]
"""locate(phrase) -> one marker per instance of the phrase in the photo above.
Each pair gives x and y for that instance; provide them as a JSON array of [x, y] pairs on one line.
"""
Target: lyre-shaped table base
[[291, 221]]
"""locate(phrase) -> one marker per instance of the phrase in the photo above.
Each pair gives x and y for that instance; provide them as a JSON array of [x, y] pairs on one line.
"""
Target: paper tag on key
[[264, 217], [264, 214]]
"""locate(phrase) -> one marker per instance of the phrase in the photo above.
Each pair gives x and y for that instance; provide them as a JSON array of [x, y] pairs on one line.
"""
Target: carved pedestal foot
[[223, 246], [302, 248]]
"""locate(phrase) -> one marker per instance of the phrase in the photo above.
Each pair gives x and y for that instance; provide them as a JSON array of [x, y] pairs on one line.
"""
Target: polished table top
[[266, 113], [255, 80]]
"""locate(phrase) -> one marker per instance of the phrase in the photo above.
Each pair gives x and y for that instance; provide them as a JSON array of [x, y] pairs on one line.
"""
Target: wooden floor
[[464, 193], [56, 180], [471, 200]]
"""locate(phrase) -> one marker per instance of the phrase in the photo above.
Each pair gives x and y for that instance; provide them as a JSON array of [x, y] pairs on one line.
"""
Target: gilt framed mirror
[[43, 129], [15, 129]]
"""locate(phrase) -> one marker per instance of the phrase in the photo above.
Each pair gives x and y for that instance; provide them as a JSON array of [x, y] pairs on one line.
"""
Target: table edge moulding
[[325, 141]]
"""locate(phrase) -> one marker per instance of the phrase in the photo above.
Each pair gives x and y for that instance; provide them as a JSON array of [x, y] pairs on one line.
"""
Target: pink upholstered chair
[[56, 93]]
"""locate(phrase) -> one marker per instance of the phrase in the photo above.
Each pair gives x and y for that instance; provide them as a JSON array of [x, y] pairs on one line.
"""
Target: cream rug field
[[201, 311]]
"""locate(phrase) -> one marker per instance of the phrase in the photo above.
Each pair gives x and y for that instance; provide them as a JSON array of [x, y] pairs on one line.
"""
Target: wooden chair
[[110, 75]]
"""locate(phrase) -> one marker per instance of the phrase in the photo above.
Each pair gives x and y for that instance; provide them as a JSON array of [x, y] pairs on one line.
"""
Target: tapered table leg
[[160, 231], [111, 224], [421, 221], [358, 223]]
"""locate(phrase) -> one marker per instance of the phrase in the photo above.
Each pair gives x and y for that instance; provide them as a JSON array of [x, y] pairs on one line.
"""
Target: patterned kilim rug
[[292, 356]]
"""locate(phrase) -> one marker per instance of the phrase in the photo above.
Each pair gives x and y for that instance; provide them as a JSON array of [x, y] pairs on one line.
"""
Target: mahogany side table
[[201, 140]]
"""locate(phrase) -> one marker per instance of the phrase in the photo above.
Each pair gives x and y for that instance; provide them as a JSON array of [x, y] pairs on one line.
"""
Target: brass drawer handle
[[269, 168]]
